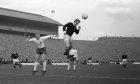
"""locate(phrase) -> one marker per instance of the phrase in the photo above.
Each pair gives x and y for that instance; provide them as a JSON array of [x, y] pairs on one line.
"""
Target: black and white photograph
[[69, 41]]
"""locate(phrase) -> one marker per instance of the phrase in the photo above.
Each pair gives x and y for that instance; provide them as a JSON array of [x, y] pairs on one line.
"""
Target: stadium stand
[[104, 49]]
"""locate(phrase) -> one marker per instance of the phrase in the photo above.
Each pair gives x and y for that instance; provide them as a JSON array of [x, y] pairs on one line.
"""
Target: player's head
[[76, 22], [37, 35], [14, 51], [124, 52]]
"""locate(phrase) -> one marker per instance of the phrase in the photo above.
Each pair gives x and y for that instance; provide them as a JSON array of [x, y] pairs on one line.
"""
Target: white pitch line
[[95, 77], [5, 73], [114, 78]]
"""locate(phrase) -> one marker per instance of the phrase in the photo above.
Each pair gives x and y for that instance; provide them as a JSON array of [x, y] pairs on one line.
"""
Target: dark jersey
[[70, 29], [124, 56], [14, 56]]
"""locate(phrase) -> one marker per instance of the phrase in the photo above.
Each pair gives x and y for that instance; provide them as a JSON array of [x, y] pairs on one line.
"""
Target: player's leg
[[69, 64], [67, 44], [74, 64], [44, 63], [14, 63], [70, 43], [35, 64], [125, 62], [19, 63], [69, 48]]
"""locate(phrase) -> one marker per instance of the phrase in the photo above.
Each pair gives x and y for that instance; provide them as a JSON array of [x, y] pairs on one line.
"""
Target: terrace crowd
[[103, 50]]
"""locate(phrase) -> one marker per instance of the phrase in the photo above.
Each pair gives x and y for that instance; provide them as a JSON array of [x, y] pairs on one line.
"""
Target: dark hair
[[77, 20]]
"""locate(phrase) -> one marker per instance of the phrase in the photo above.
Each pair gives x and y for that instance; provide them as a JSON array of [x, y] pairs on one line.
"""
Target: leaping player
[[68, 30], [40, 50], [73, 57]]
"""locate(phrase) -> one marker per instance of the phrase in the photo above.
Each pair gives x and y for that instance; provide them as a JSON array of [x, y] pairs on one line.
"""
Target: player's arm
[[48, 36], [65, 28], [126, 56], [11, 56], [122, 56], [17, 55], [77, 30], [29, 39]]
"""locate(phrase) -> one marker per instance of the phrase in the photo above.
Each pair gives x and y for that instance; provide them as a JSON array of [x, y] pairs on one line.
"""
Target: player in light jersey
[[40, 51], [73, 58]]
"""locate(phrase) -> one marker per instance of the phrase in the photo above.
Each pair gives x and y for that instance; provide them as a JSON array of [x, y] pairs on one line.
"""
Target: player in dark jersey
[[89, 60], [69, 29], [124, 59], [15, 58]]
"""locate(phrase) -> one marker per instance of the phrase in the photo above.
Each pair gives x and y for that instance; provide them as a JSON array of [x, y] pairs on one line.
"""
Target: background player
[[69, 29], [89, 60], [124, 59], [73, 58], [40, 50], [15, 59]]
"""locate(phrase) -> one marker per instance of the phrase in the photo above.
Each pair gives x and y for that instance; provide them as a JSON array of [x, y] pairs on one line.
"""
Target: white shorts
[[15, 61], [124, 60], [89, 61], [68, 40]]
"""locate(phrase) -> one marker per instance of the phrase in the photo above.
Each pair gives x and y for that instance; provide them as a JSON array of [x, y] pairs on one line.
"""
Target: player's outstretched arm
[[54, 36], [29, 39], [48, 36], [11, 56]]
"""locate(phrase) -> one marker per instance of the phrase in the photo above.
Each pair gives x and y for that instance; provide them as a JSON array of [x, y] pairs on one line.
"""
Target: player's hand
[[28, 38], [53, 35], [79, 27], [64, 32]]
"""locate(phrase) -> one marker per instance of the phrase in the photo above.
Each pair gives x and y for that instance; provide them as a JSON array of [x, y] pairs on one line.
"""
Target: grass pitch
[[102, 74]]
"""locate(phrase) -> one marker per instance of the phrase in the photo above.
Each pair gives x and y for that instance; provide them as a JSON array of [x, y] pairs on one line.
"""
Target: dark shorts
[[73, 59], [41, 51], [69, 56]]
